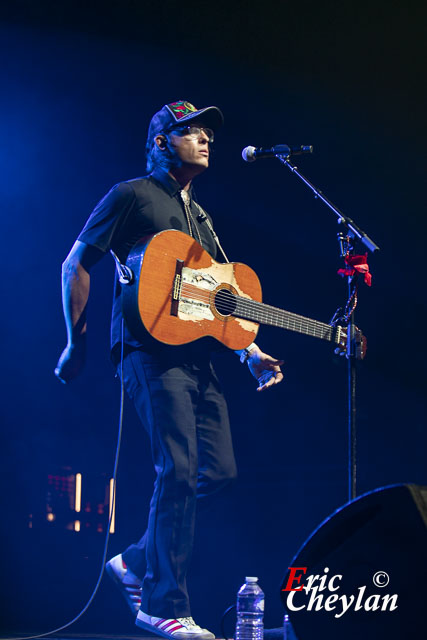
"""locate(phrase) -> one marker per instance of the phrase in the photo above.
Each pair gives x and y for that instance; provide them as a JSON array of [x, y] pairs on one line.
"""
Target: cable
[[113, 501], [227, 611], [124, 274]]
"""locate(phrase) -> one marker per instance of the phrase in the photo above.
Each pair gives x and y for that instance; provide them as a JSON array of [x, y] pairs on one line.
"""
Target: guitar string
[[260, 308], [264, 313]]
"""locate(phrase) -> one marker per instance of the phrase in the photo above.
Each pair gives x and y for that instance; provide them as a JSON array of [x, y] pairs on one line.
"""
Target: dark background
[[79, 85]]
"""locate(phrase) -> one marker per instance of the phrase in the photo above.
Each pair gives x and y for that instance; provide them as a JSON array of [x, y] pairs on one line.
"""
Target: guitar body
[[180, 294], [174, 293]]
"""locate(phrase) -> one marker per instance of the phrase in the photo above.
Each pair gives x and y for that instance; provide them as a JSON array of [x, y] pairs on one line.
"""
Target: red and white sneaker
[[128, 583], [178, 629]]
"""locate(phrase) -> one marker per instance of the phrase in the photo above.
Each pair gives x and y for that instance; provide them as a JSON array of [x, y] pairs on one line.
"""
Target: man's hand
[[72, 360], [264, 368]]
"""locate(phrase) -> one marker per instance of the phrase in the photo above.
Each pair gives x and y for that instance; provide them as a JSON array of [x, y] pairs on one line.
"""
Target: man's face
[[191, 148]]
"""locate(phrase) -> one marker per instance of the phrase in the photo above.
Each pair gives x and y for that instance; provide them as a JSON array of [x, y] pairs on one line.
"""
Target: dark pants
[[180, 403]]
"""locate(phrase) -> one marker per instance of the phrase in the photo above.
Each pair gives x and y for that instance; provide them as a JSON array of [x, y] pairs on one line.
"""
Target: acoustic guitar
[[179, 294]]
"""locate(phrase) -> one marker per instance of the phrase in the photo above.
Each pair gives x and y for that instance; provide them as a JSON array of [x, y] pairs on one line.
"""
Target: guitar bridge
[[176, 289]]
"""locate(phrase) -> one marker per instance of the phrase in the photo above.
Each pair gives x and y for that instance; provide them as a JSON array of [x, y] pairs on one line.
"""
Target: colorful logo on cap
[[181, 109]]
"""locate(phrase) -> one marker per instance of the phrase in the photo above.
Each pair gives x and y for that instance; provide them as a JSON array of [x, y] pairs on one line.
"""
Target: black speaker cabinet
[[370, 557]]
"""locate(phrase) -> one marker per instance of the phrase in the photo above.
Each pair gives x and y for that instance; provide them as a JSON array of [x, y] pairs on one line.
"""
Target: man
[[175, 389]]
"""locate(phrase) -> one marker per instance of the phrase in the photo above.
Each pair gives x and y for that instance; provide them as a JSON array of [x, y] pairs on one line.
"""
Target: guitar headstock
[[360, 342]]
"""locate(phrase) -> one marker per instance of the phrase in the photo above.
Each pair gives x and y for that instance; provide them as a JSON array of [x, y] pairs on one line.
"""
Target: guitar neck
[[266, 314]]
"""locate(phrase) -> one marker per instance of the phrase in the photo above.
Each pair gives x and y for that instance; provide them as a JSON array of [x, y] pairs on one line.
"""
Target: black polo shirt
[[130, 211]]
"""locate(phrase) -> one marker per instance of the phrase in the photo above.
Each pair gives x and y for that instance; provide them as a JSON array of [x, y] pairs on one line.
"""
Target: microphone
[[250, 154]]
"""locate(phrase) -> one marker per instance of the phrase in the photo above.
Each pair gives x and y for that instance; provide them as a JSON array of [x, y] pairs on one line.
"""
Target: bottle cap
[[251, 579]]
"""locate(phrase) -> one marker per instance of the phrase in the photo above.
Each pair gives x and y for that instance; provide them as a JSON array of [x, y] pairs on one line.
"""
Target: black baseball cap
[[182, 112]]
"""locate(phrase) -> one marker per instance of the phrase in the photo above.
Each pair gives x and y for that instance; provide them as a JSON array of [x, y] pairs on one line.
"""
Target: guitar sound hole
[[225, 302]]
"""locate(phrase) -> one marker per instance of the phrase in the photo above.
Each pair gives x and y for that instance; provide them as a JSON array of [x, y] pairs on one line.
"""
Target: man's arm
[[75, 295]]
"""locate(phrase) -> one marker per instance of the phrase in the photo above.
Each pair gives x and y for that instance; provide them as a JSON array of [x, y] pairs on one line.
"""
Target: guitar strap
[[125, 274], [203, 218]]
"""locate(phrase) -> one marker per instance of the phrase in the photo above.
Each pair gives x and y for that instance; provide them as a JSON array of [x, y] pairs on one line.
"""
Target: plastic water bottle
[[250, 611], [286, 627]]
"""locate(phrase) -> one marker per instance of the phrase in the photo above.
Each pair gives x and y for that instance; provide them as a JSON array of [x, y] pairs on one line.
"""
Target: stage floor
[[269, 634]]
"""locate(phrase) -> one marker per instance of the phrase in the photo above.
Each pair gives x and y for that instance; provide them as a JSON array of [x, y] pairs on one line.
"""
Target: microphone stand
[[347, 242]]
